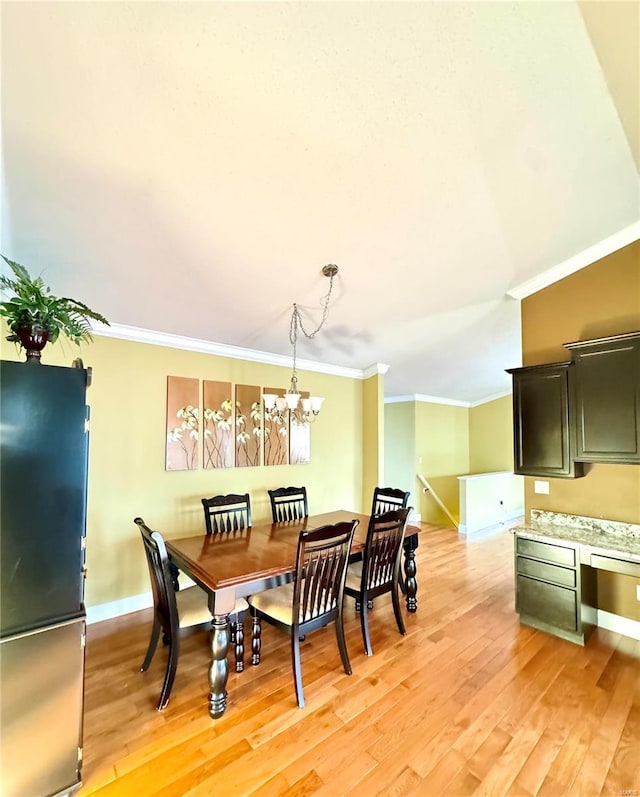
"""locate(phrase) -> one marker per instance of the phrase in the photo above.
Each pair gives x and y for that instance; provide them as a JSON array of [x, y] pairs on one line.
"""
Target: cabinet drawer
[[555, 554], [554, 605], [625, 567], [564, 576]]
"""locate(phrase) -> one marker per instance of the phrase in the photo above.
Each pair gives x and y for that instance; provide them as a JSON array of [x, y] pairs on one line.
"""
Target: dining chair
[[315, 597], [175, 610], [387, 498], [288, 503], [378, 571], [227, 512]]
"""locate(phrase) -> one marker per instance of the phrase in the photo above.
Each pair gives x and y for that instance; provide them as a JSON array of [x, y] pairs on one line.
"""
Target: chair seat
[[354, 576], [193, 606], [276, 602]]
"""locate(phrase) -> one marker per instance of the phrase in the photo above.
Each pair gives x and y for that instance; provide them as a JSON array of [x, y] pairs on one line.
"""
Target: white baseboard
[[505, 520], [107, 611], [621, 625]]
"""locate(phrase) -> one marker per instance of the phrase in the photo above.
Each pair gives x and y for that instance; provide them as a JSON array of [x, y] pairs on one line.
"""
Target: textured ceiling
[[190, 167]]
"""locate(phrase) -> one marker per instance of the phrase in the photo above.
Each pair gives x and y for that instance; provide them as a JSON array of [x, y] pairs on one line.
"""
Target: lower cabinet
[[554, 592]]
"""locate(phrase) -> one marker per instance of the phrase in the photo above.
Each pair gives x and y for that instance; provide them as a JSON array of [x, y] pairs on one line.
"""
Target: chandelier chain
[[296, 324]]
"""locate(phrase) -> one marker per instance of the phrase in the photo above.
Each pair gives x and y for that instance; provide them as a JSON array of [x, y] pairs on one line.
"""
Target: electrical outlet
[[542, 488], [638, 592]]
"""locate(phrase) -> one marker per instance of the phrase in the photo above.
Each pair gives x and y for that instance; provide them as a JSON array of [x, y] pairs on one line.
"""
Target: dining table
[[238, 563]]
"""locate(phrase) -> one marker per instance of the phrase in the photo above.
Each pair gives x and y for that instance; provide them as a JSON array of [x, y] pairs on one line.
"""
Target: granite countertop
[[608, 536]]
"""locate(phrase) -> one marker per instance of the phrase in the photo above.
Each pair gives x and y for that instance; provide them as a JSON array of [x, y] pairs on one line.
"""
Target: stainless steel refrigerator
[[43, 491]]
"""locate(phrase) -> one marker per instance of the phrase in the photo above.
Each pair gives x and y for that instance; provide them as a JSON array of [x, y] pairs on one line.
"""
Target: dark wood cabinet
[[553, 591], [585, 410], [607, 399], [543, 433]]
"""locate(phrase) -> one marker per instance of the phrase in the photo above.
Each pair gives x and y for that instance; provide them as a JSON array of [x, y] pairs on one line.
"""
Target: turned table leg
[[174, 572], [256, 639], [410, 582], [219, 669]]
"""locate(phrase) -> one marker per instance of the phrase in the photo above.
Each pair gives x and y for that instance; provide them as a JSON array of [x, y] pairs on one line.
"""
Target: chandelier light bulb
[[269, 400], [292, 400], [316, 403]]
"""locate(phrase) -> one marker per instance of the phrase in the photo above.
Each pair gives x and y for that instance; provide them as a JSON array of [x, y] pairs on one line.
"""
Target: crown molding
[[495, 397], [418, 397], [153, 338], [376, 368], [585, 258], [139, 335]]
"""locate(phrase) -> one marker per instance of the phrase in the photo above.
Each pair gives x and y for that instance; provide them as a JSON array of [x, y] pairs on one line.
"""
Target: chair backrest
[[383, 546], [321, 569], [164, 597], [387, 498], [227, 512], [288, 503]]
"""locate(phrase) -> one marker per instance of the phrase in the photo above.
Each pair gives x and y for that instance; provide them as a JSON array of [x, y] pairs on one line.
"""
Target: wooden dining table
[[235, 564]]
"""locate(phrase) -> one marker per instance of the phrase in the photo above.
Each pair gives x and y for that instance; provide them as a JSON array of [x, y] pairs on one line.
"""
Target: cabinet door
[[43, 473], [549, 603], [41, 709], [542, 433], [608, 402]]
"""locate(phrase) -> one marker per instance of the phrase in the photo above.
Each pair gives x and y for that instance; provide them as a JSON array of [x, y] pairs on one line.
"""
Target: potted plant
[[36, 317]]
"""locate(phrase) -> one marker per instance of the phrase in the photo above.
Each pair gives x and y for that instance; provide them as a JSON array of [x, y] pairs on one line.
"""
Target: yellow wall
[[442, 441], [373, 436], [602, 299], [452, 441], [400, 463], [127, 449], [491, 436]]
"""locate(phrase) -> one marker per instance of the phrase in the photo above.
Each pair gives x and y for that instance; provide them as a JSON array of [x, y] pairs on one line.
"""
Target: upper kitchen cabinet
[[543, 433], [607, 398]]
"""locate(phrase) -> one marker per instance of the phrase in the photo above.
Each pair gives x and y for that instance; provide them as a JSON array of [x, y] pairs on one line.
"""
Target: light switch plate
[[541, 487]]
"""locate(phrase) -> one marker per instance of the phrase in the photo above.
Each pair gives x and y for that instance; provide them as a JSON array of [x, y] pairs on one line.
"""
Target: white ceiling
[[189, 168]]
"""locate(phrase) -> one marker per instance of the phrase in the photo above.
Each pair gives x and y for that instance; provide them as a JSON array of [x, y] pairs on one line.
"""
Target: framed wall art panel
[[183, 423], [300, 439], [217, 423], [248, 426], [276, 434]]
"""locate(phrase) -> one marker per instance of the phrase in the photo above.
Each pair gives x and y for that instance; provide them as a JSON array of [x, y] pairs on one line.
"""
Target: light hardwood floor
[[468, 702]]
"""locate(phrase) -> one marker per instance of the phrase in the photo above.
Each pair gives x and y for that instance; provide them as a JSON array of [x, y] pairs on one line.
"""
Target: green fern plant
[[33, 305]]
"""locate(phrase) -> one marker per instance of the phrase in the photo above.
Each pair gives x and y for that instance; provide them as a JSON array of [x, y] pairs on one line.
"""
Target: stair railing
[[427, 488]]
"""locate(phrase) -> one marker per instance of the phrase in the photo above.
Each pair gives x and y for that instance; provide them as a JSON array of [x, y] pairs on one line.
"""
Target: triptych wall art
[[221, 425]]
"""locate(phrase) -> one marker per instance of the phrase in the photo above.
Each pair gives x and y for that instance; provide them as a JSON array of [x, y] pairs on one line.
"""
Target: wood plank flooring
[[468, 702]]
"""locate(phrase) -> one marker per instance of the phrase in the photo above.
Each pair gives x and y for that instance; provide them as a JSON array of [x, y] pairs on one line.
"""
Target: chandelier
[[301, 410]]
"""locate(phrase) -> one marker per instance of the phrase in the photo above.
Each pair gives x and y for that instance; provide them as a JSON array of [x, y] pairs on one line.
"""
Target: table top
[[244, 561]]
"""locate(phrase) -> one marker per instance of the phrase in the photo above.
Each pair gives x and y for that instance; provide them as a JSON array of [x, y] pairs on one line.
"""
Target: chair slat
[[227, 513], [288, 504], [386, 499]]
